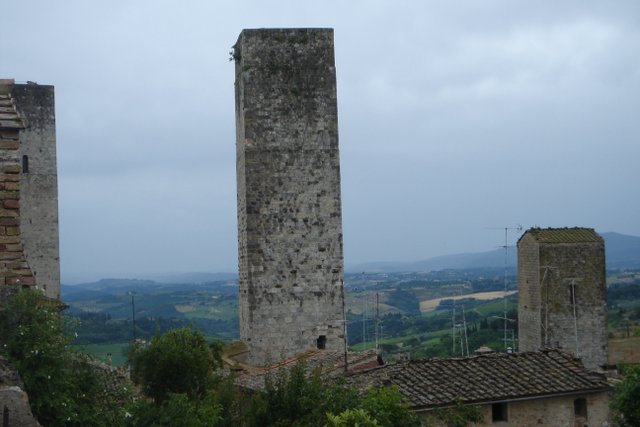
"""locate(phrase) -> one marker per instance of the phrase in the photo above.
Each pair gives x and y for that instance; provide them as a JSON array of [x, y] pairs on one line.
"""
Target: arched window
[[321, 342], [25, 164]]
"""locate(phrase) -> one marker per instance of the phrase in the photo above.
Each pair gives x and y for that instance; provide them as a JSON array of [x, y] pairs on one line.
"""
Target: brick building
[[289, 206], [562, 289]]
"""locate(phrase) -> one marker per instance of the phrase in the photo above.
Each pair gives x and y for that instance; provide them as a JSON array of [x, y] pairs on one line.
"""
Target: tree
[[176, 410], [460, 415], [64, 387], [387, 406], [178, 361], [626, 397], [352, 418], [293, 398]]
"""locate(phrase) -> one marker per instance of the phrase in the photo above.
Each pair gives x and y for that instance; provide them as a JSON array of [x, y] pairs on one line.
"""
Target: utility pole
[[133, 315]]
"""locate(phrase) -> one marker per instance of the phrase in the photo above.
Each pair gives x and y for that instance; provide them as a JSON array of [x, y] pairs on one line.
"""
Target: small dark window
[[321, 342], [499, 412], [572, 294], [580, 408], [25, 164]]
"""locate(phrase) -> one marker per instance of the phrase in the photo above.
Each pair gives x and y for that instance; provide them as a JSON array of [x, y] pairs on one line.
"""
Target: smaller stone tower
[[39, 184], [563, 293], [29, 254]]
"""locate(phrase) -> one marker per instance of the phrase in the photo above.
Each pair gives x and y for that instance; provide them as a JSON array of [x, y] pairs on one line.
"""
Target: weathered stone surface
[[39, 185], [550, 263], [13, 399], [289, 207]]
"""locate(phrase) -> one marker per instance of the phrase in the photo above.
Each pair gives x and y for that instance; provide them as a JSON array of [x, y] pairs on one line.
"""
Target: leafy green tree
[[294, 398], [387, 406], [64, 387], [460, 415], [179, 361], [352, 418], [626, 398], [177, 410]]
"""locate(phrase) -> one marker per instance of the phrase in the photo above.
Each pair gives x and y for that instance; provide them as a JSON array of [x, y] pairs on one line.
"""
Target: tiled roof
[[495, 377], [330, 364], [564, 235], [9, 117]]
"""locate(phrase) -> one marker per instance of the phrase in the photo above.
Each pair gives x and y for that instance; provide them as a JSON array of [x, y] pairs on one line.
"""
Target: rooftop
[[564, 235], [494, 377]]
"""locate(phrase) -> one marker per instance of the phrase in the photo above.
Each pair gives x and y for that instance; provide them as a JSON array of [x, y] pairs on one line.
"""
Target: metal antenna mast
[[377, 319], [506, 266]]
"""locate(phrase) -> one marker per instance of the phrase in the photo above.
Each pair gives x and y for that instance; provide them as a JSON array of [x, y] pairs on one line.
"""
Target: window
[[572, 294], [499, 412], [321, 342], [25, 164], [580, 408]]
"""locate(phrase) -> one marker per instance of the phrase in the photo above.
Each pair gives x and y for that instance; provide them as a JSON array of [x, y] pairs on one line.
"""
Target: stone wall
[[529, 311], [39, 184], [289, 206], [14, 402], [546, 313], [552, 412]]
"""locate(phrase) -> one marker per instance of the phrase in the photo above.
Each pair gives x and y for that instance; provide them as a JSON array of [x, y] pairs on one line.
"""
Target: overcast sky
[[455, 117]]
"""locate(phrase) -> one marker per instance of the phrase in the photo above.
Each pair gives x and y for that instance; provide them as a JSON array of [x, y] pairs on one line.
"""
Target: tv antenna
[[506, 247]]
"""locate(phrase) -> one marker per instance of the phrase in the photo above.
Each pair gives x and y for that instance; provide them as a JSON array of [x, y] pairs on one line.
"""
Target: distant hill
[[622, 251], [124, 286]]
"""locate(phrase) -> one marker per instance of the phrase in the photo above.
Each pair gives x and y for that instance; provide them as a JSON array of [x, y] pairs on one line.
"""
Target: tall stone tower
[[563, 293], [29, 193], [289, 207]]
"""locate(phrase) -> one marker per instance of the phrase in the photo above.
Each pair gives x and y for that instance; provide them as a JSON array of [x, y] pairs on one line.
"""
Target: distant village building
[[29, 251], [510, 389], [289, 206], [563, 293]]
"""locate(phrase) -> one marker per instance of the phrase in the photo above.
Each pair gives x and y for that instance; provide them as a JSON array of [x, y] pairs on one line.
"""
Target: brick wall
[[14, 268], [552, 412]]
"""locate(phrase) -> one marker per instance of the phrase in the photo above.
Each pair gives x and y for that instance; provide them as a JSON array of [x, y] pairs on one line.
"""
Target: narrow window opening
[[580, 408], [572, 294], [25, 164], [499, 412], [321, 342]]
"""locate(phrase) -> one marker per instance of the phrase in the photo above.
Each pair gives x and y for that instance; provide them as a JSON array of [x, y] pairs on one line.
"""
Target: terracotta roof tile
[[484, 378]]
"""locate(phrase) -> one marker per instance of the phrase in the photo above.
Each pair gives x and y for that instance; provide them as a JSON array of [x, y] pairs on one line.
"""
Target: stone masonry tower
[[39, 184], [289, 207], [29, 192], [563, 293]]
